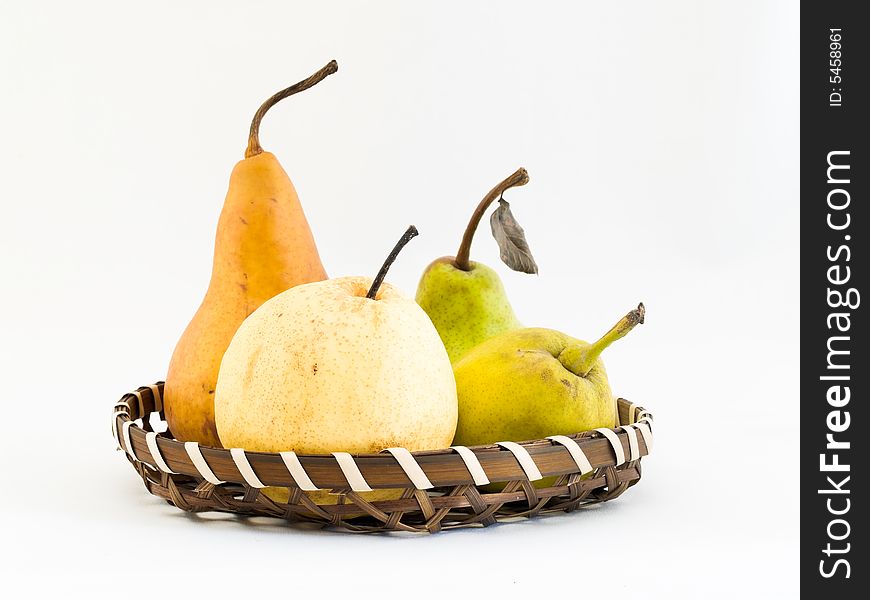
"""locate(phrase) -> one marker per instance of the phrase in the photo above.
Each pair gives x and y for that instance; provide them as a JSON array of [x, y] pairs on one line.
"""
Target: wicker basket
[[440, 489]]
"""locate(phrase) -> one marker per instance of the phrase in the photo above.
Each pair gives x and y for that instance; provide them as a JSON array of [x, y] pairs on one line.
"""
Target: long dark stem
[[521, 177], [376, 284], [254, 147]]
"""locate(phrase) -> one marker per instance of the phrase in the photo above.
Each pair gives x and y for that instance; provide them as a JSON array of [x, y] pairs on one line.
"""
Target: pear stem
[[521, 177], [254, 147], [410, 233], [587, 357]]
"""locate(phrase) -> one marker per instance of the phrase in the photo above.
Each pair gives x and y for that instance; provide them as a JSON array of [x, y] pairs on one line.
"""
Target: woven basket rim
[[501, 462], [428, 491]]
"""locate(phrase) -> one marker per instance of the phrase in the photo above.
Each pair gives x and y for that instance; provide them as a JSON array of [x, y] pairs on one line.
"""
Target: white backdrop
[[662, 142]]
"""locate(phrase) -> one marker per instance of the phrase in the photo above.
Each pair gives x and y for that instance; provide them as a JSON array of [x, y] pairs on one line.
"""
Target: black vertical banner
[[835, 349]]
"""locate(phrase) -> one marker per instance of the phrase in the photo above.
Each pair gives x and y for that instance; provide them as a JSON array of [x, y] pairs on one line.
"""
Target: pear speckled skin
[[263, 246], [514, 387], [466, 307], [321, 368]]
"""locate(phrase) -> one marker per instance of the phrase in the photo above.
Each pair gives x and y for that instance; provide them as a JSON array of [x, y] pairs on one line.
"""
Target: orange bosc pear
[[263, 246]]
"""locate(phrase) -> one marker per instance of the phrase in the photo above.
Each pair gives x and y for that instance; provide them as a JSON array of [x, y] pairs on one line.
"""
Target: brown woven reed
[[454, 501]]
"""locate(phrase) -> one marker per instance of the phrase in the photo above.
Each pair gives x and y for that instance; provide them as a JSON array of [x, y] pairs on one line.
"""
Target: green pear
[[531, 383], [466, 307], [466, 300]]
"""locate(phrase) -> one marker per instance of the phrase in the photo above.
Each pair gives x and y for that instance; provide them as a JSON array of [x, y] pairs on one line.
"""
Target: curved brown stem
[[521, 177], [254, 147]]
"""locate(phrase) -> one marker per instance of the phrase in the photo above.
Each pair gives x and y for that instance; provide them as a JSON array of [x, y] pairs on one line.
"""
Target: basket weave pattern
[[441, 489]]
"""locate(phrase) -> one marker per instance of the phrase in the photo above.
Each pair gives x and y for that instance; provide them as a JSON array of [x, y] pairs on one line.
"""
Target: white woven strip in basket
[[151, 440], [614, 443], [128, 443], [403, 457], [297, 472], [241, 460], [472, 464], [196, 457], [575, 451], [527, 463], [351, 471], [646, 432], [633, 447], [412, 469]]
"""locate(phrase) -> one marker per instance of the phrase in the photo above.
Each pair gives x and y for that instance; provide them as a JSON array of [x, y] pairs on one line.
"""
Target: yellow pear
[[263, 246], [346, 364], [530, 383]]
